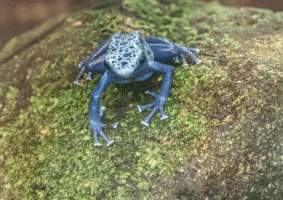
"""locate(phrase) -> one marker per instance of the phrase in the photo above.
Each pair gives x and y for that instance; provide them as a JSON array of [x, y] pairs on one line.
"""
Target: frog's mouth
[[121, 74], [130, 71], [125, 74], [125, 69]]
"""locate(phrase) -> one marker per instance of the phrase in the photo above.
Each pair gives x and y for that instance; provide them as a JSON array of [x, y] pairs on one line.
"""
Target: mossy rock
[[223, 138]]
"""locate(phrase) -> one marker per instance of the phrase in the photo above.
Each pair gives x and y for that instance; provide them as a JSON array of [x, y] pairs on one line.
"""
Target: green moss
[[46, 143]]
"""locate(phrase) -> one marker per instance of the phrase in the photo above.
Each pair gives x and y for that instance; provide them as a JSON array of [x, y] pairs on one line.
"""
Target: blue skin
[[144, 56]]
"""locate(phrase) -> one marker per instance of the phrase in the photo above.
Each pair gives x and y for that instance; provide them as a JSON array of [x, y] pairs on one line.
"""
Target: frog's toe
[[114, 125], [141, 108], [193, 57], [184, 60], [88, 76], [77, 82], [97, 144], [163, 115], [144, 122], [154, 94], [176, 59], [109, 143], [192, 49]]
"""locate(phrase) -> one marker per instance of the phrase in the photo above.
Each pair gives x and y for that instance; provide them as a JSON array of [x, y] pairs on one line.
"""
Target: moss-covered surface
[[223, 138]]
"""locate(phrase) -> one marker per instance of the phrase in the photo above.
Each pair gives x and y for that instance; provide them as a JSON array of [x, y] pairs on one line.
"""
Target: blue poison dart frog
[[124, 58]]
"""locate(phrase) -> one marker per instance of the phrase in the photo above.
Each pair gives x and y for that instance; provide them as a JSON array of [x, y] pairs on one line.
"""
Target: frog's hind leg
[[157, 40], [159, 44]]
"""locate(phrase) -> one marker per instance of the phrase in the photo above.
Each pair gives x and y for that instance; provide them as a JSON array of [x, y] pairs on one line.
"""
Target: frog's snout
[[124, 74]]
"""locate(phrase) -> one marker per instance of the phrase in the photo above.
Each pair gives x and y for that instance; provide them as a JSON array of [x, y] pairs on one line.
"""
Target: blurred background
[[18, 16]]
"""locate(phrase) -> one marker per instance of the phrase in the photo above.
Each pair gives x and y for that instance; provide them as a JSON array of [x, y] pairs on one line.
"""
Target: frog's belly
[[140, 78]]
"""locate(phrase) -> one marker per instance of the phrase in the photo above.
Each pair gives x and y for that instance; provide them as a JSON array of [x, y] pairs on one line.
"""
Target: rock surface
[[237, 90]]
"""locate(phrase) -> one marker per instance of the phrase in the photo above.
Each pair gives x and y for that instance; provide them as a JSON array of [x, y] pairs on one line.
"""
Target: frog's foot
[[83, 69], [158, 104], [187, 51], [77, 81], [184, 59], [96, 126], [176, 59], [97, 129]]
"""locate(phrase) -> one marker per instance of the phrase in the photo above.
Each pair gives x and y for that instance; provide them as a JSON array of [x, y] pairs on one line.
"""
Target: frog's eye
[[106, 65], [143, 58]]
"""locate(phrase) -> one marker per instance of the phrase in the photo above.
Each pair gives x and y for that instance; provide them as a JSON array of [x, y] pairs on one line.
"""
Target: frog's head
[[127, 54]]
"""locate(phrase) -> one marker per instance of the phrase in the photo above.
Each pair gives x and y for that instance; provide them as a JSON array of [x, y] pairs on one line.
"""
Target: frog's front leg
[[95, 113], [162, 97]]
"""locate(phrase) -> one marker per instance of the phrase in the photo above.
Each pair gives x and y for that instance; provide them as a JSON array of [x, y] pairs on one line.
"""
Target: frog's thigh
[[163, 52], [157, 40]]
